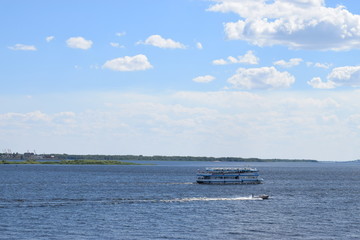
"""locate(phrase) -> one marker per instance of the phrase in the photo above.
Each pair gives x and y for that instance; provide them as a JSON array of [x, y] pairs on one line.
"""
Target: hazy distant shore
[[69, 162], [31, 158]]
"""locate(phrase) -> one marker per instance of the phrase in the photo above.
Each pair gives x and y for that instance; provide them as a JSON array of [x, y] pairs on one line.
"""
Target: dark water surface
[[307, 201]]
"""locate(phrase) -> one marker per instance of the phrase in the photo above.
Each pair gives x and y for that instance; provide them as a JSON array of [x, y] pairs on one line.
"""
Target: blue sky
[[245, 78]]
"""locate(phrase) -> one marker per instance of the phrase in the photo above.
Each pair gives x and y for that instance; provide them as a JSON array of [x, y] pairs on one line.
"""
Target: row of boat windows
[[221, 177], [229, 175]]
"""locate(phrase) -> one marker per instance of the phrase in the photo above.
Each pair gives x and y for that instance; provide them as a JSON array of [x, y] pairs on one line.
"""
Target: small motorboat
[[261, 196], [264, 196]]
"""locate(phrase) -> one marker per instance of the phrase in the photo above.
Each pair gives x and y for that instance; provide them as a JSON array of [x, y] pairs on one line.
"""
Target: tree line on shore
[[32, 156]]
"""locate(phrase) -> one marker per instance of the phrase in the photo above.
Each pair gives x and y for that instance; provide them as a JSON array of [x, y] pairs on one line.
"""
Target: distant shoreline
[[118, 159], [70, 162]]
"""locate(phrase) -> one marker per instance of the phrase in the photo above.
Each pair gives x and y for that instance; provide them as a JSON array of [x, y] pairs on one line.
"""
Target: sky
[[217, 78]]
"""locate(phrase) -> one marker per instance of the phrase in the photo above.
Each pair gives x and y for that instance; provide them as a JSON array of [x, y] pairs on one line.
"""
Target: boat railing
[[229, 170]]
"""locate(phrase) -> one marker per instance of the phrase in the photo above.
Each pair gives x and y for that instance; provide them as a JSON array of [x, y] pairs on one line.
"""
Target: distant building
[[29, 155]]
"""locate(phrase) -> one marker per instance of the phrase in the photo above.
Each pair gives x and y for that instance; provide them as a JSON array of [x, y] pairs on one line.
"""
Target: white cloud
[[265, 124], [348, 76], [124, 64], [120, 34], [36, 116], [22, 47], [319, 65], [323, 65], [296, 24], [159, 41], [248, 58], [291, 63], [220, 62], [345, 73], [79, 42], [116, 45], [318, 83], [204, 79], [49, 38], [199, 45], [261, 78]]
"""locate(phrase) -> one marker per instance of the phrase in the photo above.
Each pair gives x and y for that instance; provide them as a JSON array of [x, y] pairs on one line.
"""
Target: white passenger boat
[[229, 176]]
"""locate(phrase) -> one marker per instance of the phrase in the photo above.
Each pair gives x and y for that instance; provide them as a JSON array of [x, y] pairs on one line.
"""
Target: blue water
[[307, 201]]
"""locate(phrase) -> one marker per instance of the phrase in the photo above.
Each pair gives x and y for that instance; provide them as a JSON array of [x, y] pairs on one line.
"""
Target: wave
[[211, 199], [6, 203]]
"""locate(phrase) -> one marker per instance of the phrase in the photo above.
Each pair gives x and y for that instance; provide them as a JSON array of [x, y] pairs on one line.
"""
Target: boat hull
[[215, 181]]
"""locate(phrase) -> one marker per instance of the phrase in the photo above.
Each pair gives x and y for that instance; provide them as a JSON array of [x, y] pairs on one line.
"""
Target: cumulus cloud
[[248, 58], [323, 65], [23, 47], [347, 73], [220, 62], [199, 45], [319, 65], [79, 42], [318, 83], [159, 41], [204, 79], [49, 38], [291, 63], [125, 64], [298, 24], [261, 78], [346, 76], [116, 45], [341, 76]]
